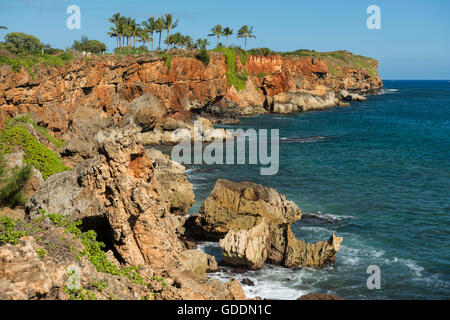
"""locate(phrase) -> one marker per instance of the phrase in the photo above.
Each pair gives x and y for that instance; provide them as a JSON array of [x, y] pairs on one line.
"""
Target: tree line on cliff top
[[20, 49], [127, 32]]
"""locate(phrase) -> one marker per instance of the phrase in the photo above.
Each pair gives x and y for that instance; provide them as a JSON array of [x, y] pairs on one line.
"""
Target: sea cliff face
[[179, 86]]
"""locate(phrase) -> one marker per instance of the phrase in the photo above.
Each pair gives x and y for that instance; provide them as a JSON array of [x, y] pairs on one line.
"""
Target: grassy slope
[[342, 58]]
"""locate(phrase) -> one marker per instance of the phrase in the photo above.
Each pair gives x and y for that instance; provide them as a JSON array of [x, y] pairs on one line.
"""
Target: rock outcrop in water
[[248, 247], [238, 212]]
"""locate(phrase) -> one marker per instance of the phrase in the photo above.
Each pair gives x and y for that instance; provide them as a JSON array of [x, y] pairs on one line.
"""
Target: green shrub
[[204, 57], [168, 60], [93, 249], [261, 52], [93, 46], [15, 135], [20, 43], [41, 253], [235, 79], [12, 184], [262, 75], [79, 294], [11, 231], [242, 54], [30, 62]]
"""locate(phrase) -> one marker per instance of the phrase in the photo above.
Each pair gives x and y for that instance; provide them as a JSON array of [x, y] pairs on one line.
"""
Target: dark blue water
[[380, 172]]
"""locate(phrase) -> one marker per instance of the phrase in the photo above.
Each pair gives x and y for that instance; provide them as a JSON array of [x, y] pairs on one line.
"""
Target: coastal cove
[[375, 173], [229, 159]]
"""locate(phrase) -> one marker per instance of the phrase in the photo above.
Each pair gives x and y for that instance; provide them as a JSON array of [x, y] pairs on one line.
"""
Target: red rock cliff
[[108, 84]]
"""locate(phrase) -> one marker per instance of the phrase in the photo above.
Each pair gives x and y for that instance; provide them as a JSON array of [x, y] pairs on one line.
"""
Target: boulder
[[292, 101], [347, 96], [171, 124], [173, 181], [151, 138], [237, 206], [144, 111], [198, 262], [247, 247], [299, 253], [319, 296], [235, 211], [23, 276]]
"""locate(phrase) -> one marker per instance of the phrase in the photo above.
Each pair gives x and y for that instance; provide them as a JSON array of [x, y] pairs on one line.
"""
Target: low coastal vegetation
[[16, 135], [12, 230], [234, 78], [12, 182]]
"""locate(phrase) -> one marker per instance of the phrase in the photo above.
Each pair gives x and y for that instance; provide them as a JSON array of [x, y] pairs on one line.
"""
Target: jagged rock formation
[[247, 247], [237, 206], [233, 211], [299, 253], [26, 276], [23, 276], [173, 181], [119, 188]]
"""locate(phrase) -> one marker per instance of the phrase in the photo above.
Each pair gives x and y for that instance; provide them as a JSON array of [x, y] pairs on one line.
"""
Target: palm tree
[[150, 27], [144, 37], [159, 27], [114, 31], [217, 31], [227, 32], [245, 32], [169, 24], [114, 34], [3, 27], [202, 43], [126, 22], [121, 29], [134, 30], [188, 42]]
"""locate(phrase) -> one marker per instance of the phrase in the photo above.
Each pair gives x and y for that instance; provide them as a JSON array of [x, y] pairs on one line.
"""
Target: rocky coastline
[[117, 212]]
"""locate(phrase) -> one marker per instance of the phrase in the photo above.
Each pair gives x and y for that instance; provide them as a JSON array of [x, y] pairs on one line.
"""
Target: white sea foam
[[413, 266], [331, 216], [303, 139], [387, 91]]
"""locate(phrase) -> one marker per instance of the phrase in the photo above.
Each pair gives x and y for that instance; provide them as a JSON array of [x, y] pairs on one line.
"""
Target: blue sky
[[412, 44]]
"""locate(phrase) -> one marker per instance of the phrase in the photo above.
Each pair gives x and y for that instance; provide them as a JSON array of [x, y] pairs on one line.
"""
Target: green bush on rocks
[[15, 135]]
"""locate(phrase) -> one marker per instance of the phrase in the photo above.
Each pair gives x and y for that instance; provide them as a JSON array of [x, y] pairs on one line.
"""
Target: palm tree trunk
[[245, 42], [159, 44], [167, 39], [152, 41]]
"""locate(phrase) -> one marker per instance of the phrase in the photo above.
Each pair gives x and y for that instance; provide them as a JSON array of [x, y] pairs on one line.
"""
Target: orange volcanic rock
[[109, 84]]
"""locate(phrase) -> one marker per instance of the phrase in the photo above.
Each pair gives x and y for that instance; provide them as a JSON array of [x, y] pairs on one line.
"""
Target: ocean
[[376, 173]]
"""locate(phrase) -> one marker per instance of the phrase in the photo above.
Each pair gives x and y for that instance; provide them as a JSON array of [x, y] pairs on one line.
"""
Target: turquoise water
[[379, 172]]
